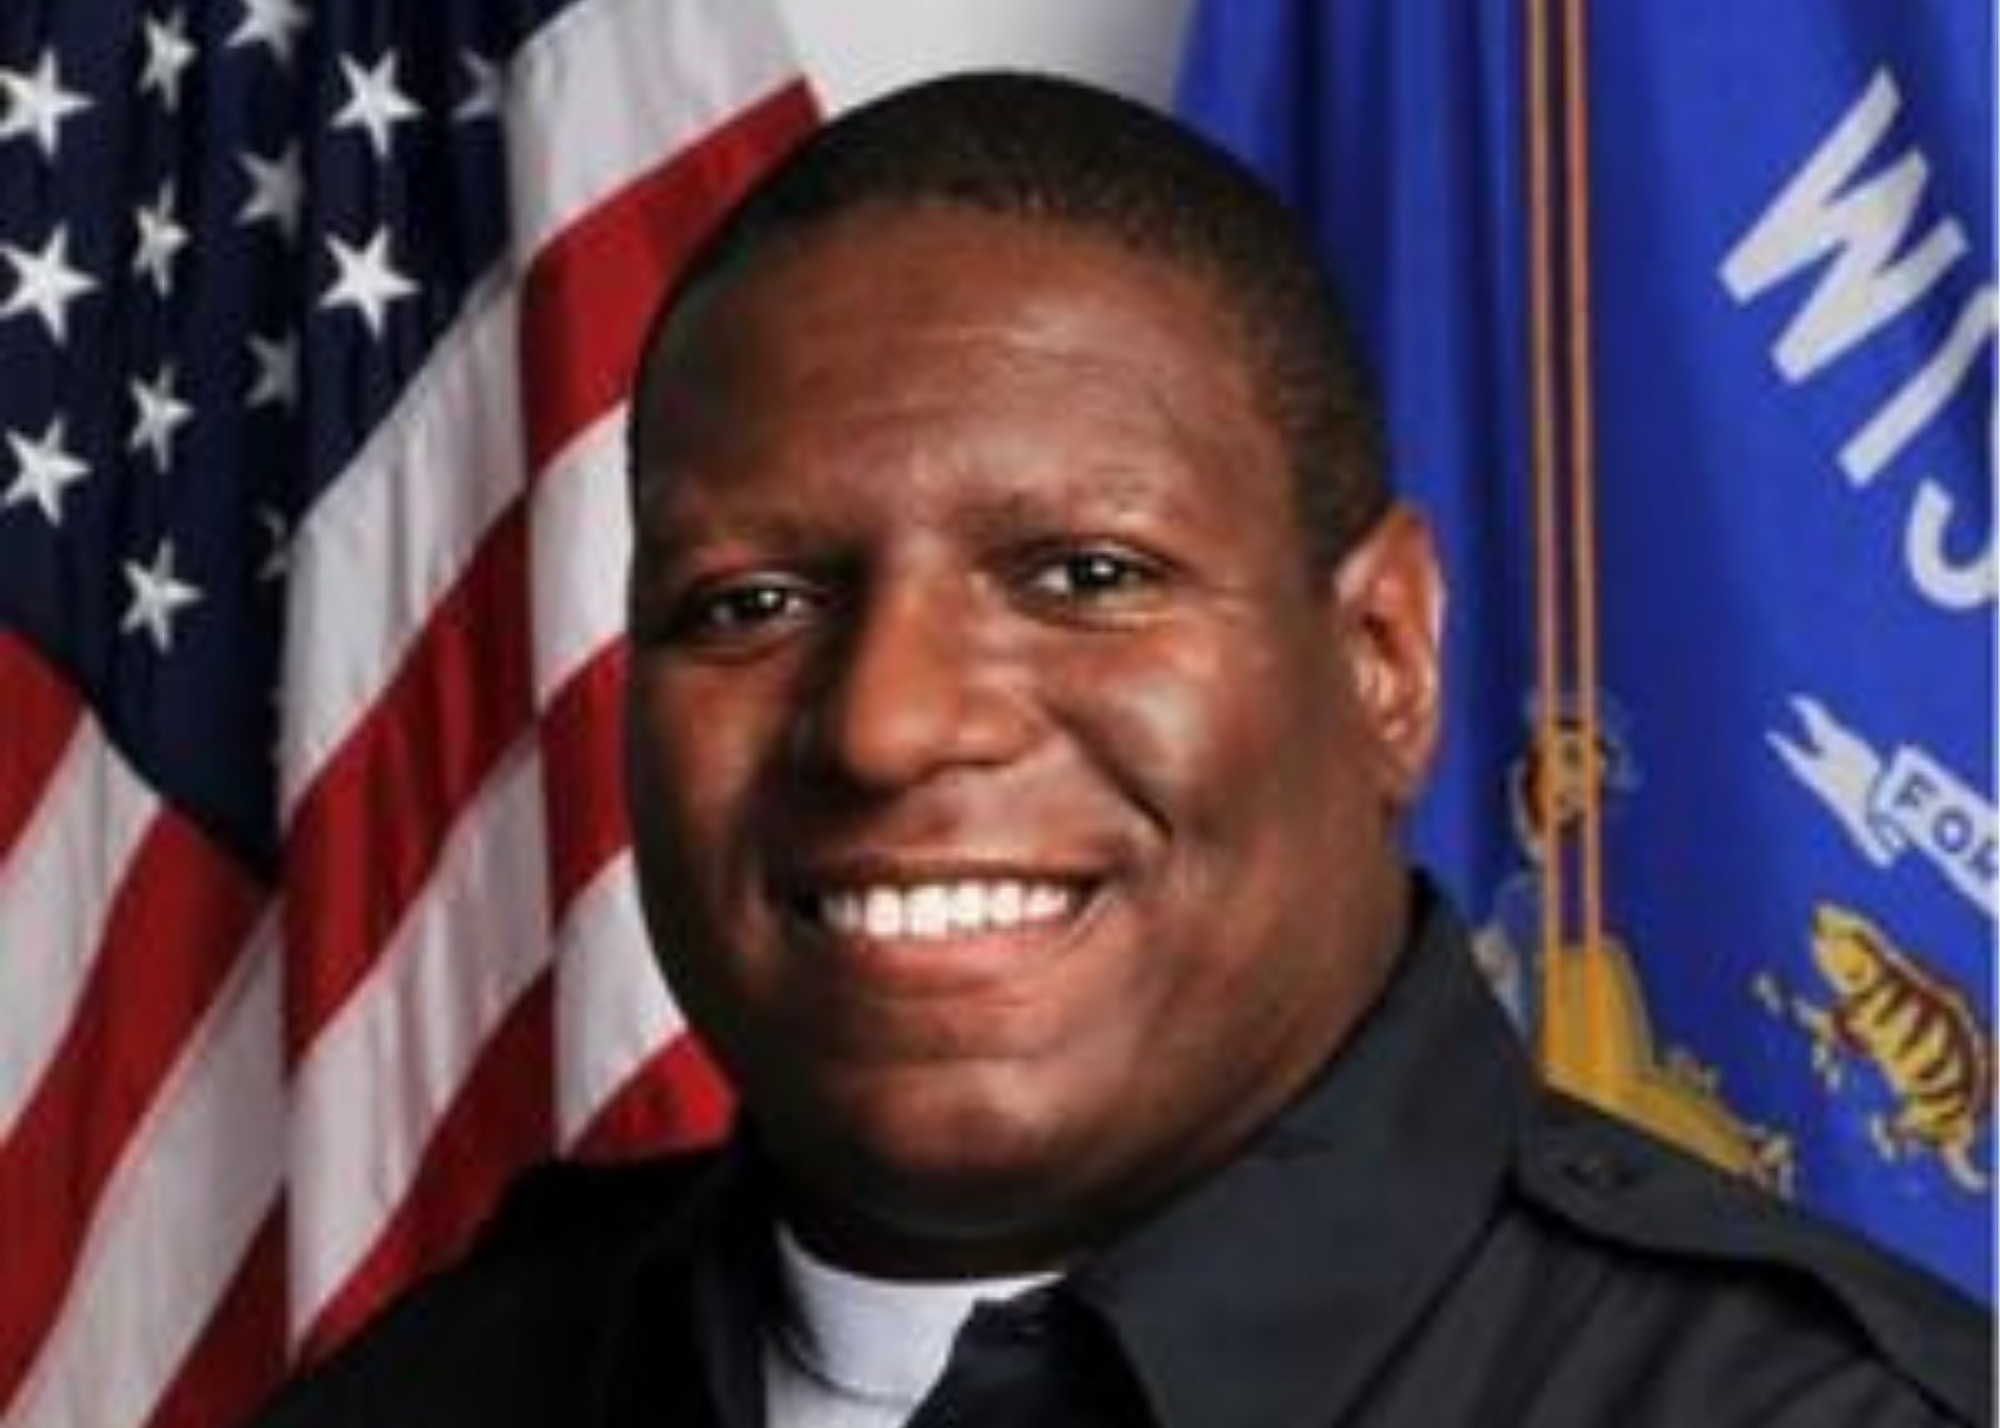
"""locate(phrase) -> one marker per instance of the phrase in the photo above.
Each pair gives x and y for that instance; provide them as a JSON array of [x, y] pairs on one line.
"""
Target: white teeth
[[932, 910], [883, 915], [1044, 901], [927, 912]]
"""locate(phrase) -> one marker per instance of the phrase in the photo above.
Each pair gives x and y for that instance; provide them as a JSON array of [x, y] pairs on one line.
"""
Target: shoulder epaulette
[[1624, 1187]]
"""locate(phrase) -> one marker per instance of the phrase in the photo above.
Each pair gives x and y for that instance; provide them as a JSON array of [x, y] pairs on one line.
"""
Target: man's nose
[[915, 686]]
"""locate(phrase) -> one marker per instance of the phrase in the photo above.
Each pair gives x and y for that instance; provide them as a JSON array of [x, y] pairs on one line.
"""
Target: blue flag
[[1685, 319]]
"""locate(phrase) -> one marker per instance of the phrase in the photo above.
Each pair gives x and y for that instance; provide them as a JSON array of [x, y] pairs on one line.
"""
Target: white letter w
[[1864, 227]]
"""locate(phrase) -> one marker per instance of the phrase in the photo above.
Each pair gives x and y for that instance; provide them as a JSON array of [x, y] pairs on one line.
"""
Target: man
[[1029, 673]]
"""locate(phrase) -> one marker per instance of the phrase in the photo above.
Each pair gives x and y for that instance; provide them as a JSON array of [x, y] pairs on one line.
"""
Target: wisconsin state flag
[[1686, 319]]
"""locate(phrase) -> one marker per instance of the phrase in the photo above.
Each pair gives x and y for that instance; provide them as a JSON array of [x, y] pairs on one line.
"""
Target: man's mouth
[[944, 909]]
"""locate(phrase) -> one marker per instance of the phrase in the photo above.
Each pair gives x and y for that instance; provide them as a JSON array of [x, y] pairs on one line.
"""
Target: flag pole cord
[[1548, 576], [1583, 463], [1567, 793]]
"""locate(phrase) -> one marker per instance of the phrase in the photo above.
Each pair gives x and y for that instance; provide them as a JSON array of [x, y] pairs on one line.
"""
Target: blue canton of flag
[[1686, 319], [213, 289]]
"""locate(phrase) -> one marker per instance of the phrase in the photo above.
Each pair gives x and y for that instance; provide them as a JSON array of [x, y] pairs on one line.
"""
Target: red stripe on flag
[[676, 1099], [370, 830], [176, 924], [502, 1118], [580, 771], [42, 714], [241, 1355], [591, 291]]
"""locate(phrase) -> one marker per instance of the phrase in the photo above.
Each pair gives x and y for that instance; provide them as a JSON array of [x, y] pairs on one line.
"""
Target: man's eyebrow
[[669, 523], [666, 537], [1112, 488]]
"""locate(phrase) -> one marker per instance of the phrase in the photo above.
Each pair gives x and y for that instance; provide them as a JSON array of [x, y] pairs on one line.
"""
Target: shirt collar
[[877, 1338], [1271, 1294]]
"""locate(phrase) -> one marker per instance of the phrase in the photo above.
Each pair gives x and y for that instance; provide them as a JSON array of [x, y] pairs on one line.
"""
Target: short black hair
[[1059, 152]]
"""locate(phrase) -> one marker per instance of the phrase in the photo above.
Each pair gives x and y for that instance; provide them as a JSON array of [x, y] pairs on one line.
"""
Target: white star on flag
[[168, 54], [157, 596], [161, 414], [45, 283], [274, 24], [484, 100], [278, 559], [277, 191], [45, 470], [160, 238], [277, 381], [374, 102], [366, 282], [37, 103]]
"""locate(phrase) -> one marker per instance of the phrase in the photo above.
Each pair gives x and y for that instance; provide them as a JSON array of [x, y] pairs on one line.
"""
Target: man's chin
[[963, 1195]]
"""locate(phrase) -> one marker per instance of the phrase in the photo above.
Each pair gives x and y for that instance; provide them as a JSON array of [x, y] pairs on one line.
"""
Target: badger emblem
[[1915, 1028]]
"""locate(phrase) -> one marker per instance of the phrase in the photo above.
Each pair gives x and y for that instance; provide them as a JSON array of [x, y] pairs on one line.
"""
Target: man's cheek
[[1189, 759]]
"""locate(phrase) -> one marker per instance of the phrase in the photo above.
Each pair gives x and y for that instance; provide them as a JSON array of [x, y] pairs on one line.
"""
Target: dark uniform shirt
[[1425, 1239]]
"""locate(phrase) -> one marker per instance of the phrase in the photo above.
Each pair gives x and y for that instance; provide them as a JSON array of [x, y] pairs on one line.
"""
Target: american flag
[[315, 915]]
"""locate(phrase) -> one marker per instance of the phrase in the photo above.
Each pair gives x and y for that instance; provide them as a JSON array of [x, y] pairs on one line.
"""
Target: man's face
[[1014, 806]]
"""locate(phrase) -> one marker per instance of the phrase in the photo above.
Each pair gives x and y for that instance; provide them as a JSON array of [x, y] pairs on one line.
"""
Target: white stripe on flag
[[374, 1084], [580, 509], [612, 1009], [388, 539], [194, 1183], [55, 896], [577, 135]]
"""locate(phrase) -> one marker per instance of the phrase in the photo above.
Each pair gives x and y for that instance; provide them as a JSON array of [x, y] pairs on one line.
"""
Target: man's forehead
[[1038, 301], [863, 350], [914, 255]]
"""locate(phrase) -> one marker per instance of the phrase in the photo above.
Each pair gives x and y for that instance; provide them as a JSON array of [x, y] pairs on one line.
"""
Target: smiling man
[[1030, 670], [1014, 790]]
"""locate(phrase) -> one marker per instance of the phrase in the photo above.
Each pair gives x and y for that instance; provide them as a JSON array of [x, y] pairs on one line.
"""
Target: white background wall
[[854, 49]]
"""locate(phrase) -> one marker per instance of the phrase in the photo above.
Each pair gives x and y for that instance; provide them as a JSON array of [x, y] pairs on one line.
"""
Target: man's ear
[[1389, 602]]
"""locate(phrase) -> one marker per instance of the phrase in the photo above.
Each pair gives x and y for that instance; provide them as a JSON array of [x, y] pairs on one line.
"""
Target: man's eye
[[1092, 575], [740, 610]]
